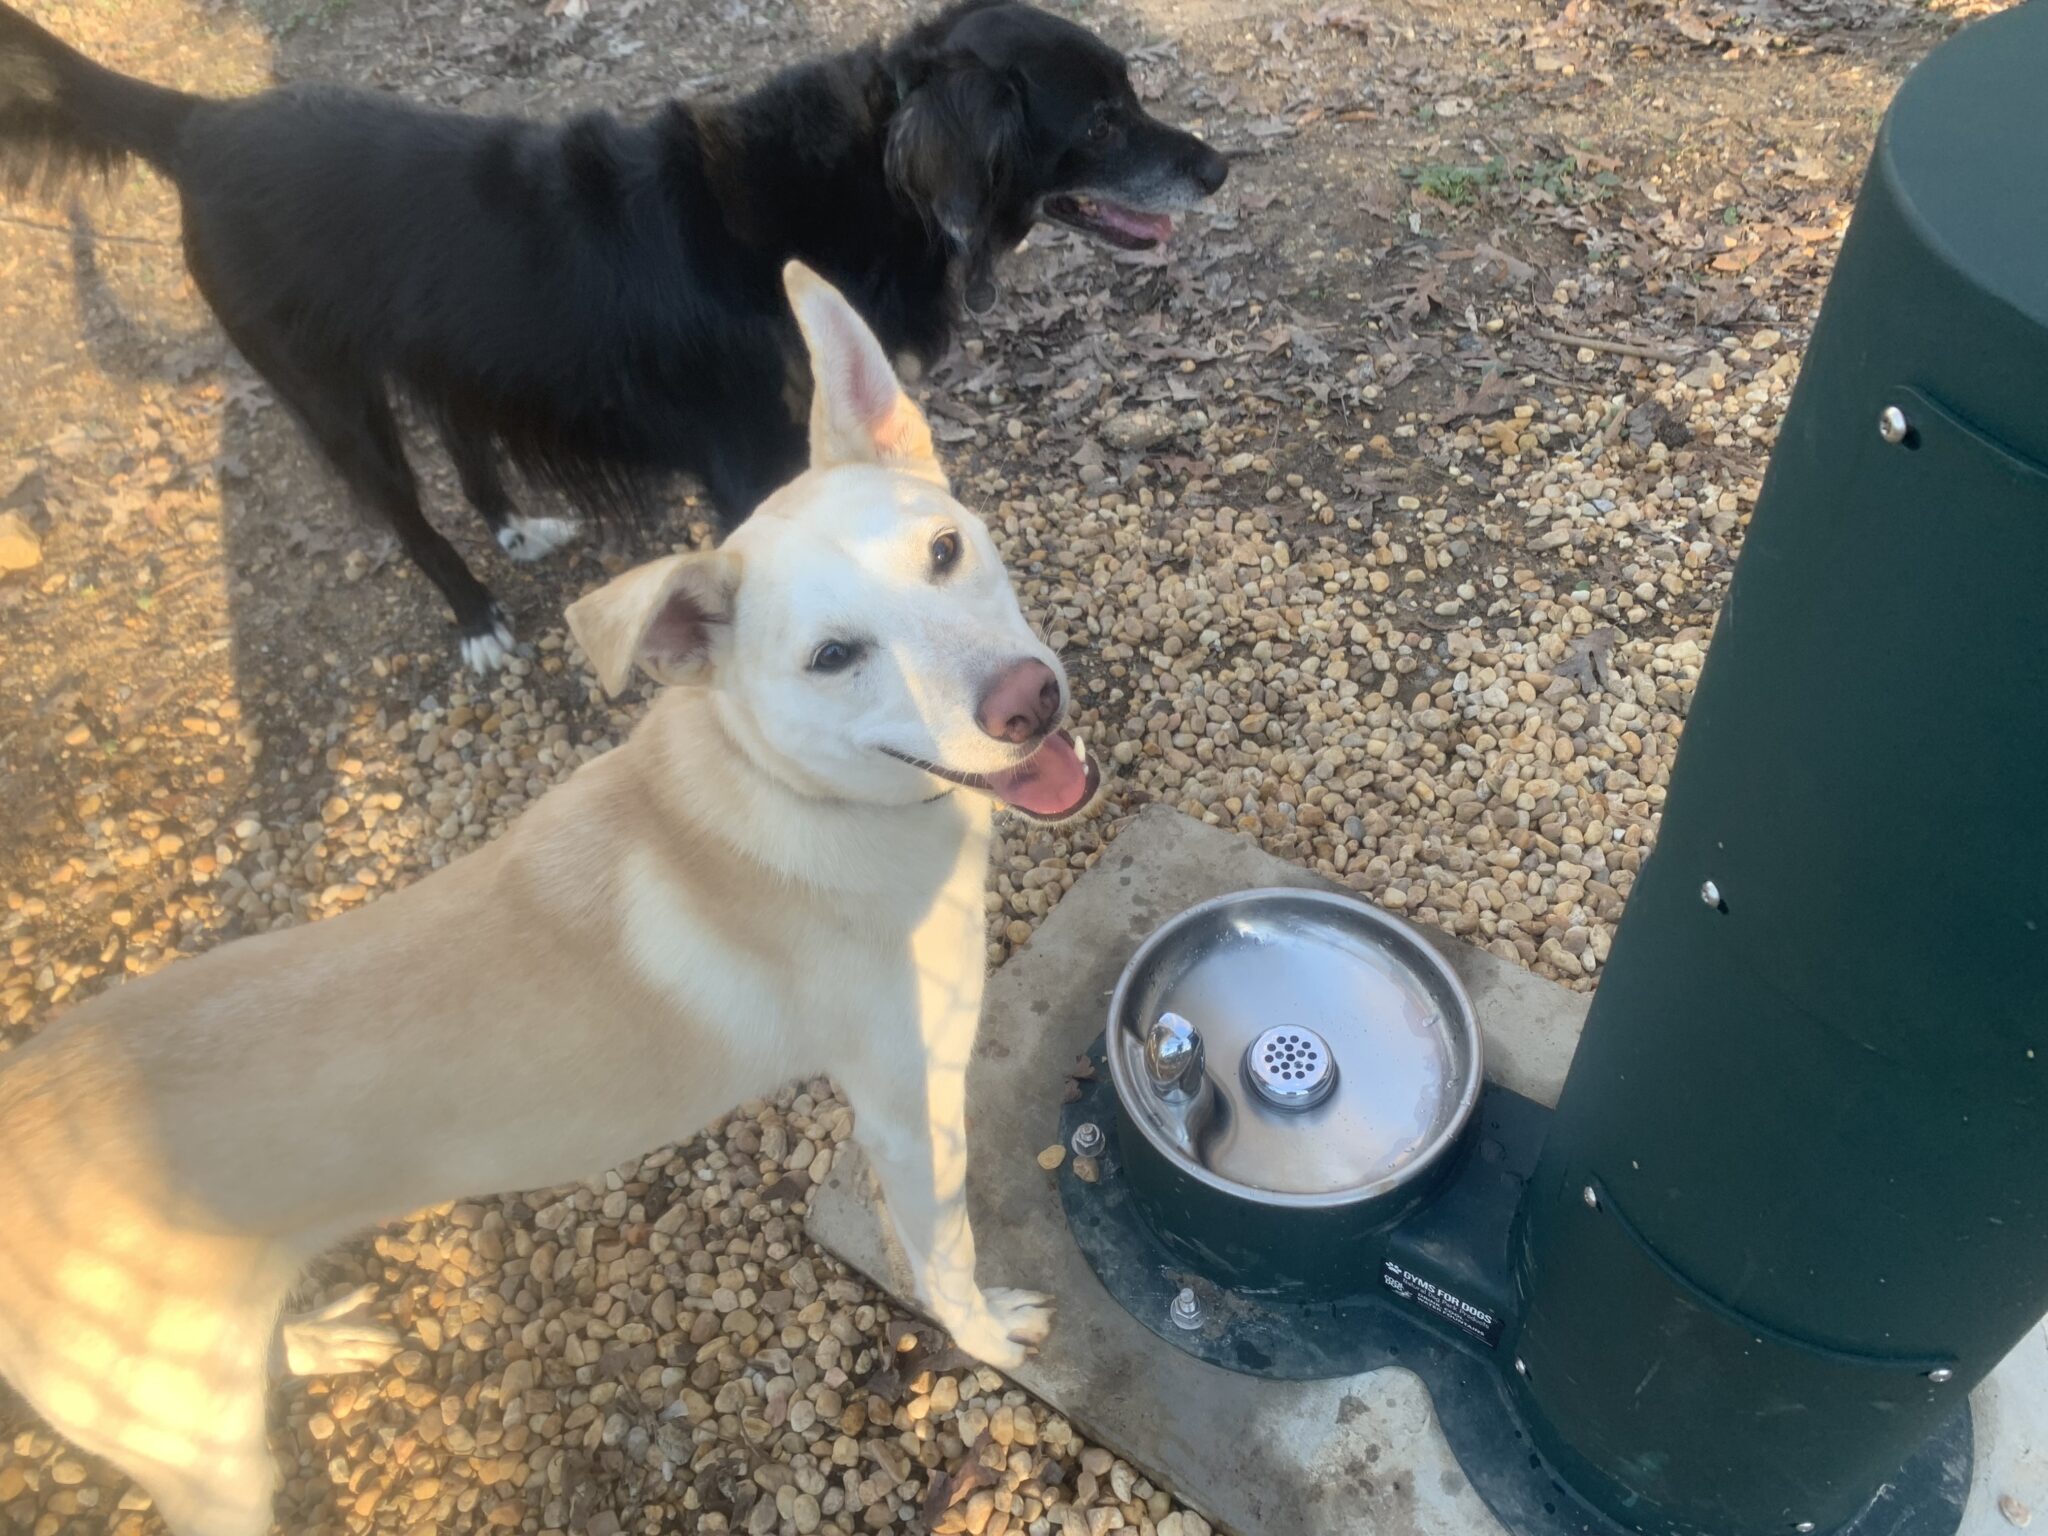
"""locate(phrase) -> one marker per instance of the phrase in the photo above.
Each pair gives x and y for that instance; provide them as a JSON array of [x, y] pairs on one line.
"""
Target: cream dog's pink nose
[[1022, 704]]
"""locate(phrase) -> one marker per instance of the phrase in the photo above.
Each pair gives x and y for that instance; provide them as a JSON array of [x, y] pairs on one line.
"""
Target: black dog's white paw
[[486, 652], [527, 539]]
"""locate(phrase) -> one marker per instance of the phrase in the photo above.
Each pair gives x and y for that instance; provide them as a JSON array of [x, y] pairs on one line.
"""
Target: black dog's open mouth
[[1131, 229], [1053, 783]]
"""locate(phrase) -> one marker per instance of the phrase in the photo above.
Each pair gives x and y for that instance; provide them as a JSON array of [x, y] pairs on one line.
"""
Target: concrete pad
[[1261, 1458]]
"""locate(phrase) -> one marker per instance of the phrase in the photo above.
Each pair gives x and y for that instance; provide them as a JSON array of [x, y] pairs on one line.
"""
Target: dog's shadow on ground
[[315, 592], [328, 625], [117, 345]]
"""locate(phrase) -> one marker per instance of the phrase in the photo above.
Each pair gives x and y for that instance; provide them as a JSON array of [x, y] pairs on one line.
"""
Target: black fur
[[600, 301], [62, 115]]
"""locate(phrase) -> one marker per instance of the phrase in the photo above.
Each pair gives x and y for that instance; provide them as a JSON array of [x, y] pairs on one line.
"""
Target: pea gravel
[[1344, 551]]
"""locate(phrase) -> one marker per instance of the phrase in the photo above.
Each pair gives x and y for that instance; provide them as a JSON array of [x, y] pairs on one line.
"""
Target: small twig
[[185, 580], [1518, 368], [1600, 344], [1252, 151], [61, 229]]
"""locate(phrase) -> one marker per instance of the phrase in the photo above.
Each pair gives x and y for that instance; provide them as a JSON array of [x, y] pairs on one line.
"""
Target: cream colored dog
[[781, 872]]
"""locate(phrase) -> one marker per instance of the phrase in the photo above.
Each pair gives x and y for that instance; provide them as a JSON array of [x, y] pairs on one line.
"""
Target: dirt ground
[[1384, 516]]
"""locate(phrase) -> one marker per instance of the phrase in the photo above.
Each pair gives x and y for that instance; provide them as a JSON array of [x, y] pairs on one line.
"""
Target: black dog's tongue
[[1131, 222]]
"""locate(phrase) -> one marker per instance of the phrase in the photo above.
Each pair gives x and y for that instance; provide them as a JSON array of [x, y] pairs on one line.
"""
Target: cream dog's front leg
[[909, 1099], [914, 1132]]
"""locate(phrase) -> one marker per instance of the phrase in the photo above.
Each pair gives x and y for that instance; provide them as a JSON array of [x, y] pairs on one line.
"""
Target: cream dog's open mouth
[[1054, 782]]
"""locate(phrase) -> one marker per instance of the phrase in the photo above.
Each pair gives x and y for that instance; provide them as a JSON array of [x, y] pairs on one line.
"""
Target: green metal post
[[1794, 1202]]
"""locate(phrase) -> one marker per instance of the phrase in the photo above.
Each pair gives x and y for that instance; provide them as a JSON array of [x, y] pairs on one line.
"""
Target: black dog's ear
[[954, 148], [930, 45]]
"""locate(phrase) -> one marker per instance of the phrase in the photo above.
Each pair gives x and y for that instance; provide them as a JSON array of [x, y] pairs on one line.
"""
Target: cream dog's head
[[859, 629]]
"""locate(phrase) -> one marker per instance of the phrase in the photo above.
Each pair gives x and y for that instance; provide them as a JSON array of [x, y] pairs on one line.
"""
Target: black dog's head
[[1008, 115]]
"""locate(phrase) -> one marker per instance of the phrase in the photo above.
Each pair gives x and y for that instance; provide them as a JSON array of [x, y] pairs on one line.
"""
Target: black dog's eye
[[836, 655], [1099, 129], [945, 552]]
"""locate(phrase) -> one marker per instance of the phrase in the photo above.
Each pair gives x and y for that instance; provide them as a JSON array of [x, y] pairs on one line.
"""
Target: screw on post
[[1186, 1310], [1087, 1139]]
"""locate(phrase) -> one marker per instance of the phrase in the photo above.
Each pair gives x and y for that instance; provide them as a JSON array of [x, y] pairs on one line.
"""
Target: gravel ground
[[1386, 522], [661, 1349]]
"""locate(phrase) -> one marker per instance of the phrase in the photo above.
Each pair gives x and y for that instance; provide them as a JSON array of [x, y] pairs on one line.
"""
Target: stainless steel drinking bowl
[[1291, 1067]]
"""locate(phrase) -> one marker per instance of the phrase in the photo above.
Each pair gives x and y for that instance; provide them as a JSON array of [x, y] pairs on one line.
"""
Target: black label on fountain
[[1433, 1298]]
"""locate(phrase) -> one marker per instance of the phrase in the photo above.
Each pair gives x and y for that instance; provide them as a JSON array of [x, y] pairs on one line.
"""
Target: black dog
[[601, 301]]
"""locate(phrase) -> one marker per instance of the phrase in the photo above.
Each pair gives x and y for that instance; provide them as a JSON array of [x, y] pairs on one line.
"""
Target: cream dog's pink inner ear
[[664, 616], [859, 412], [678, 638]]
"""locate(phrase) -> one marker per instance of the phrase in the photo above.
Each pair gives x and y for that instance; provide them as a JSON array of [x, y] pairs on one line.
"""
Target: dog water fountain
[[1737, 1272], [1793, 1201]]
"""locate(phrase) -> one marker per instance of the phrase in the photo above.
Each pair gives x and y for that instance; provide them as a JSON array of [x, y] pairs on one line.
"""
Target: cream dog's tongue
[[1053, 781]]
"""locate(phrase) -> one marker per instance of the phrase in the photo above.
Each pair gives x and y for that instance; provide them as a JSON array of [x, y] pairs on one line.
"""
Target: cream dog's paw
[[333, 1340], [1009, 1326]]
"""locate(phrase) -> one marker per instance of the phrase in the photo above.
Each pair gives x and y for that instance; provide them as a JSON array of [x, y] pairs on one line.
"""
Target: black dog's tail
[[62, 115]]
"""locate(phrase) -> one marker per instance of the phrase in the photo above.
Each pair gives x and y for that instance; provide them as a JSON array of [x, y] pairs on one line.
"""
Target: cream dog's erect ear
[[671, 617], [859, 412]]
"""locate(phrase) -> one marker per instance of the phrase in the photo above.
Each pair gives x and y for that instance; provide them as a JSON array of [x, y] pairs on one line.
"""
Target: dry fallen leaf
[[1691, 28], [1343, 20]]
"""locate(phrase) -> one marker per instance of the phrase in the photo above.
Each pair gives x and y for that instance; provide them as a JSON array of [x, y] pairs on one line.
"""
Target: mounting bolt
[[1892, 425], [1940, 1374], [1804, 1527], [1521, 1366], [1186, 1311], [1591, 1196], [1710, 893], [1087, 1139]]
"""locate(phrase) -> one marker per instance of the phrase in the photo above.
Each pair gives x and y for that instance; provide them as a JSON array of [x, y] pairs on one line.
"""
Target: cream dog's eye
[[837, 655], [945, 552]]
